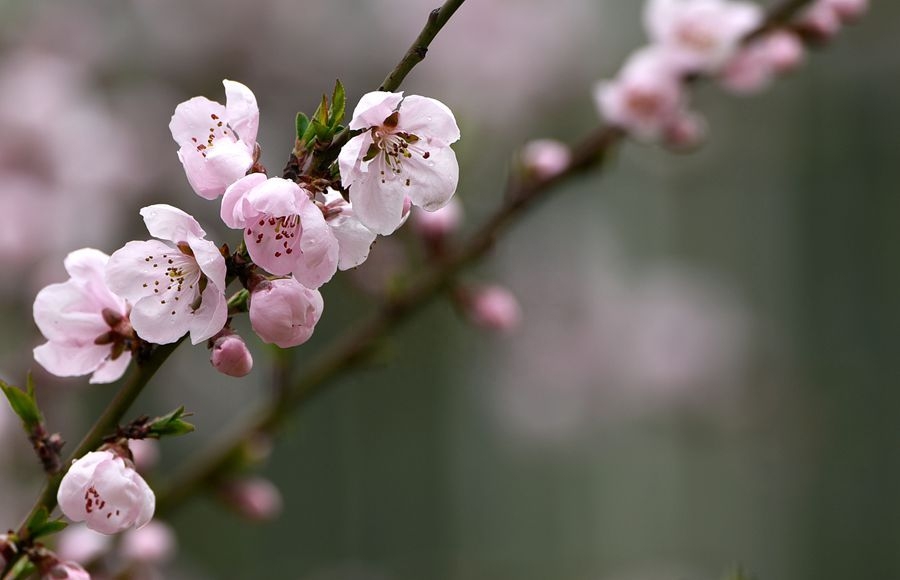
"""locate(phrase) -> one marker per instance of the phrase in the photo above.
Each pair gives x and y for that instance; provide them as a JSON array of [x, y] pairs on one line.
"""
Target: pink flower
[[230, 356], [284, 231], [700, 35], [403, 152], [152, 544], [284, 312], [437, 225], [66, 571], [218, 144], [646, 96], [175, 288], [110, 496], [354, 239], [493, 308], [754, 67], [545, 158], [83, 321]]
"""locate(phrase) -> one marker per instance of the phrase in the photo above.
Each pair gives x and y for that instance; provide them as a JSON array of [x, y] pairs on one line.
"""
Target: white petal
[[210, 260], [241, 111], [210, 318], [428, 119], [373, 108], [354, 239], [433, 180], [378, 207], [129, 270], [350, 158], [65, 360], [191, 120], [170, 223]]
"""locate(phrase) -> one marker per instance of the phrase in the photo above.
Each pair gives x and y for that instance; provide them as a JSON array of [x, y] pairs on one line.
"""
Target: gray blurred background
[[706, 374]]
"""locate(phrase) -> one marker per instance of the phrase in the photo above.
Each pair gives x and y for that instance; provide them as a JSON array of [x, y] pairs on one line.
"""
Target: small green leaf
[[23, 404], [302, 124], [171, 425], [49, 528], [338, 105], [37, 520], [323, 133], [321, 114]]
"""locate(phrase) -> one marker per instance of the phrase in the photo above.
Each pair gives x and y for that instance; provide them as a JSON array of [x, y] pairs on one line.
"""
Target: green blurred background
[[707, 367]]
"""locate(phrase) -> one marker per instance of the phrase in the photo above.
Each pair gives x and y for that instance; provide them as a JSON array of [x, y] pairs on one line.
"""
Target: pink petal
[[319, 248], [128, 272], [191, 120], [379, 208], [66, 360], [110, 371], [432, 181], [233, 203], [210, 260], [210, 318], [155, 322], [350, 158]]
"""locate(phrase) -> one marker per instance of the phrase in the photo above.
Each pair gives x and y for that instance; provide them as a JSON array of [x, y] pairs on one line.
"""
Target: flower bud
[[686, 132], [106, 493], [545, 158], [437, 225], [81, 544], [284, 312], [785, 51], [65, 571], [145, 453], [152, 544], [822, 20], [230, 356], [493, 308], [255, 498], [849, 10]]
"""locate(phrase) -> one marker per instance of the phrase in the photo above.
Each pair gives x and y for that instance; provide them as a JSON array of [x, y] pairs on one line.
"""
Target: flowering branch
[[349, 351]]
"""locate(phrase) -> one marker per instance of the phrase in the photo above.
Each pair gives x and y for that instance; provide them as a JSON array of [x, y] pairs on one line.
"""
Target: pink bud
[[284, 312], [255, 498], [230, 356], [785, 51], [687, 132], [822, 20], [438, 224], [81, 544], [849, 10], [66, 571], [152, 544], [545, 158], [493, 308], [145, 453]]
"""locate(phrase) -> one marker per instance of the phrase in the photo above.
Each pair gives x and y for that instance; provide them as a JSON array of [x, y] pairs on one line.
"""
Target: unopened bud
[[686, 132], [284, 312], [850, 10], [545, 158], [493, 308], [145, 453], [785, 51], [437, 225], [230, 356], [255, 498], [80, 544], [153, 544], [822, 20]]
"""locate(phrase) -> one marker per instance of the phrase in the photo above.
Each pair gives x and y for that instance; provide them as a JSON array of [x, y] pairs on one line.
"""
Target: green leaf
[[171, 425], [302, 124], [41, 525], [24, 404], [321, 114], [338, 105]]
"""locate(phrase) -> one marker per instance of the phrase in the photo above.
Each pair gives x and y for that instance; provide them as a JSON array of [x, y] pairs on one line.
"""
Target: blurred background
[[706, 371]]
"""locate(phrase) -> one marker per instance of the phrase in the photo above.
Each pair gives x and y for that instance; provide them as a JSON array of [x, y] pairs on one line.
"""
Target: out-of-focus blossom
[[217, 143], [821, 19], [646, 96], [492, 308], [230, 355], [81, 544], [65, 571], [153, 544], [255, 498], [754, 67], [404, 152], [110, 496], [284, 231], [84, 323], [438, 224], [284, 312], [173, 288], [700, 35], [354, 239], [545, 158], [145, 453], [848, 10], [687, 132]]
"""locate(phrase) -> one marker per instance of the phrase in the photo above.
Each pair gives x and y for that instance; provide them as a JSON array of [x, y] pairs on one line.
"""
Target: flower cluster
[[649, 99], [297, 231]]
